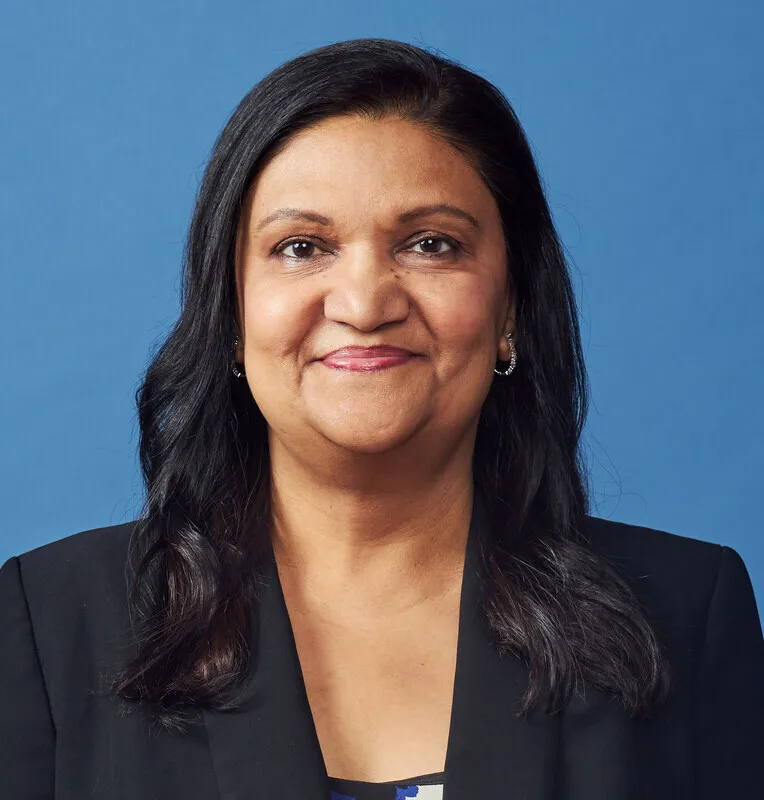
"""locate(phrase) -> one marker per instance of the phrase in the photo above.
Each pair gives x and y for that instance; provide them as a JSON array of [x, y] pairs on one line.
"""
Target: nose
[[366, 291]]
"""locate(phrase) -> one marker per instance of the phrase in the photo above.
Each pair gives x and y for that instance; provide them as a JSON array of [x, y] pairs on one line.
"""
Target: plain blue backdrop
[[647, 120]]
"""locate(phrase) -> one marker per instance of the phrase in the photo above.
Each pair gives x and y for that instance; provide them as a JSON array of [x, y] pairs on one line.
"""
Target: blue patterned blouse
[[423, 787]]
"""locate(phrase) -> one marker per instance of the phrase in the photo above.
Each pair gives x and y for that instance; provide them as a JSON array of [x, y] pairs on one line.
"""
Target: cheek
[[465, 322], [276, 321], [463, 316]]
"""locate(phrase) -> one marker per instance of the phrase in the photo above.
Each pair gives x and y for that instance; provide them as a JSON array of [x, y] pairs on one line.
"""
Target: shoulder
[[91, 561], [690, 589], [64, 612], [671, 574], [700, 600], [644, 552], [72, 589]]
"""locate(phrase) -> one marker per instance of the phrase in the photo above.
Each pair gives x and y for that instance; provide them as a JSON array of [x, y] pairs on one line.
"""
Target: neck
[[393, 525]]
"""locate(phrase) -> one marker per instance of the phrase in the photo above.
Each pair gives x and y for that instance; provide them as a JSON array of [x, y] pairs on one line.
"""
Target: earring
[[513, 357], [239, 373]]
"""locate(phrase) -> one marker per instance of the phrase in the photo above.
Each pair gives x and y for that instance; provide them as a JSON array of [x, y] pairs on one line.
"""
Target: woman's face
[[364, 234]]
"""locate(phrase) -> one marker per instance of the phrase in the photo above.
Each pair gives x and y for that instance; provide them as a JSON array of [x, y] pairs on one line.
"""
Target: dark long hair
[[203, 445]]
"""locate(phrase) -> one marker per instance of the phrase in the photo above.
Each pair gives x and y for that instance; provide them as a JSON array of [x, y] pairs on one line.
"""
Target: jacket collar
[[269, 747]]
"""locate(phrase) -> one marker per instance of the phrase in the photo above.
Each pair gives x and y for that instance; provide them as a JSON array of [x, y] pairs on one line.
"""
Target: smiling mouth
[[367, 359], [365, 362]]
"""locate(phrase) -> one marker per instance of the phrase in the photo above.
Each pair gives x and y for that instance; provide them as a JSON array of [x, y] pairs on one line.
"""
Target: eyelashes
[[304, 256], [453, 246], [305, 247]]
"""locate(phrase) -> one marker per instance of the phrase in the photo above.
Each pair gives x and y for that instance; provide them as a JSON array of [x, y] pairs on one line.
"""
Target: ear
[[508, 327], [238, 355]]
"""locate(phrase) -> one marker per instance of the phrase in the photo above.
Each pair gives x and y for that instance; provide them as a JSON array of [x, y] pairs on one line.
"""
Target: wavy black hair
[[203, 446]]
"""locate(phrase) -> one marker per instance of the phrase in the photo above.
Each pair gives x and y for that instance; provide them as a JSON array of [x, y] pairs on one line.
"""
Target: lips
[[379, 350], [367, 359]]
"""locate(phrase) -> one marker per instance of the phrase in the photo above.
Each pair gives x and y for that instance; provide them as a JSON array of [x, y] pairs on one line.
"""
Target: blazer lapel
[[598, 755], [491, 752], [269, 747], [586, 752]]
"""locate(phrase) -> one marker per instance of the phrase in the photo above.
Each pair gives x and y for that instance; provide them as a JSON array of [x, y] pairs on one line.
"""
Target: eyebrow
[[292, 213], [406, 216]]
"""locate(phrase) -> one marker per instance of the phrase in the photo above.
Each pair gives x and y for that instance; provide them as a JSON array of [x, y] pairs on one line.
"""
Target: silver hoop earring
[[513, 357], [239, 373]]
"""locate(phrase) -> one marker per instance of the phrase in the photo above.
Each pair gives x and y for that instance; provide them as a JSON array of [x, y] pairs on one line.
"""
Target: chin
[[369, 447], [368, 437]]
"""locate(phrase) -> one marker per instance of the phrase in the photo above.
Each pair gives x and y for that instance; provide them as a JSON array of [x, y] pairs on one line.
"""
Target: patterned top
[[424, 787]]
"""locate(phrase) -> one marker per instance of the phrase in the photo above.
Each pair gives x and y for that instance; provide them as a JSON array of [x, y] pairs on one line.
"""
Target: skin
[[371, 471]]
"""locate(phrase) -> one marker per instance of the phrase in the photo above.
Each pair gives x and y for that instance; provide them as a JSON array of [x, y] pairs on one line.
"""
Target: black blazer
[[64, 625]]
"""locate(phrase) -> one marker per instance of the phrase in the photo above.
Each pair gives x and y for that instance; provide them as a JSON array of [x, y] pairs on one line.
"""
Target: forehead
[[363, 164]]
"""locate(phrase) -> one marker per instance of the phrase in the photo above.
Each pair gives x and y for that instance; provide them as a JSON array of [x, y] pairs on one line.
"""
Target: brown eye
[[297, 248], [435, 245]]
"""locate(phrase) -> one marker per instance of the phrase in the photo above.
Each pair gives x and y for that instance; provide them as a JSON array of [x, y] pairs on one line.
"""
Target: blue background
[[647, 119]]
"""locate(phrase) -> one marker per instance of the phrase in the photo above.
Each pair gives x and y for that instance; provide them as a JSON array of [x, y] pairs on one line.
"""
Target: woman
[[365, 566]]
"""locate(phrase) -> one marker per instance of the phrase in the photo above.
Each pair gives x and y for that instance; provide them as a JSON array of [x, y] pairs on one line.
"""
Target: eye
[[433, 245], [301, 249]]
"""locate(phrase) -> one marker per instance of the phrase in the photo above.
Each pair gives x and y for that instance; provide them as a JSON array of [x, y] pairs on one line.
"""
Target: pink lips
[[367, 359]]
